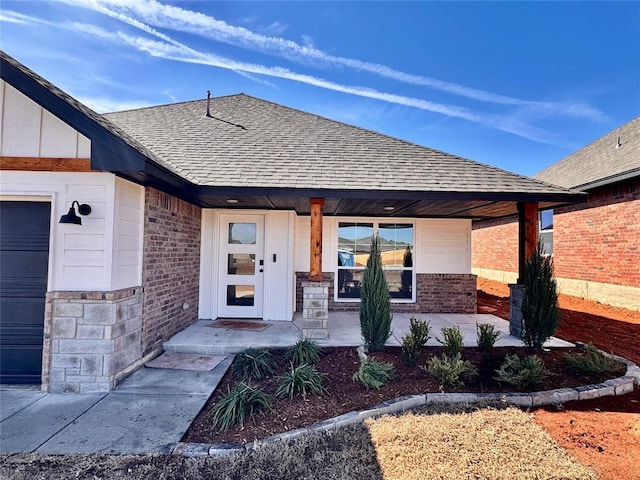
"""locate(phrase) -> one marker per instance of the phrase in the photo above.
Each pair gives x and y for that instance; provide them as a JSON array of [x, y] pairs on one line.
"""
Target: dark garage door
[[24, 257]]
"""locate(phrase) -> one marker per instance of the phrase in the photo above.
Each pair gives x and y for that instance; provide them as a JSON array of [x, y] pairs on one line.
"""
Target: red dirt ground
[[604, 434]]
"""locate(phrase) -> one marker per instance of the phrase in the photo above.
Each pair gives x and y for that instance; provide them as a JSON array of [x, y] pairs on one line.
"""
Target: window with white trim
[[396, 248]]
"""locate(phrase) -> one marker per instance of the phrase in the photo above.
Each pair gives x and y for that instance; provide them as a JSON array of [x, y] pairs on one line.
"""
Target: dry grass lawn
[[491, 444], [438, 442]]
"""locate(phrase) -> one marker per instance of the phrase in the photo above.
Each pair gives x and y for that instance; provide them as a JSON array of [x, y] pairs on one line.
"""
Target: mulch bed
[[345, 395]]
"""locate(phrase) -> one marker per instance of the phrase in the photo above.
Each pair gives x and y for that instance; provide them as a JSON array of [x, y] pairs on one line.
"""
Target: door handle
[[261, 270]]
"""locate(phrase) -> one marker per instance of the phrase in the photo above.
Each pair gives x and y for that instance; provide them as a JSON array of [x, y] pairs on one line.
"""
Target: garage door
[[24, 257]]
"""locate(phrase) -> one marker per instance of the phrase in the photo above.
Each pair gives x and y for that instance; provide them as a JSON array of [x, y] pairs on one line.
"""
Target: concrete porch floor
[[204, 337]]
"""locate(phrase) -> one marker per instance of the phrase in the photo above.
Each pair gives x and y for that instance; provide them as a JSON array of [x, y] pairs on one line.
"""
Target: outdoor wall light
[[72, 216]]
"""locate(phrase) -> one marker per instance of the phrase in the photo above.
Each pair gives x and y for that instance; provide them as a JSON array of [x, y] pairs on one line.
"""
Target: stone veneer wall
[[90, 338], [171, 267], [436, 293]]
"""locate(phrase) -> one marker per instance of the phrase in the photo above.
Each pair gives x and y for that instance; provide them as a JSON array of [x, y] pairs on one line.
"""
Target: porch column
[[315, 292], [527, 235], [315, 267], [527, 246]]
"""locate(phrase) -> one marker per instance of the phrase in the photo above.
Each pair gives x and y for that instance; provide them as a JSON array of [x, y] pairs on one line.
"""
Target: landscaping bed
[[345, 395]]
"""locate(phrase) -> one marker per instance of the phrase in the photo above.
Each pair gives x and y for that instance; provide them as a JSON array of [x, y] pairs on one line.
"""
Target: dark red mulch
[[345, 395]]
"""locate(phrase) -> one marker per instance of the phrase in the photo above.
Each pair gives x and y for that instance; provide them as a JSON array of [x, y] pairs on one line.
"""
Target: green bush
[[233, 407], [540, 312], [254, 363], [375, 302], [452, 371], [413, 342], [305, 351], [453, 340], [373, 374], [523, 373], [487, 336], [302, 379], [591, 362]]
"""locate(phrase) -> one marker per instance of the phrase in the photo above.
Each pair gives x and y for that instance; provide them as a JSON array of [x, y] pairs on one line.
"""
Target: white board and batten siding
[[279, 298], [105, 252], [440, 245], [28, 130]]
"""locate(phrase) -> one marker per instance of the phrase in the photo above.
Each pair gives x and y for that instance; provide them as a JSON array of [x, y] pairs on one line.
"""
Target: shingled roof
[[249, 142], [611, 158]]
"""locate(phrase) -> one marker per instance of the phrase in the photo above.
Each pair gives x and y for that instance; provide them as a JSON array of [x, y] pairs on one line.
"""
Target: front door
[[241, 266]]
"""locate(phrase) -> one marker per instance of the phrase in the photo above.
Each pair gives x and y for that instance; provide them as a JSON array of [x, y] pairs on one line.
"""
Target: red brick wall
[[171, 267], [597, 241], [600, 241], [494, 244], [436, 293]]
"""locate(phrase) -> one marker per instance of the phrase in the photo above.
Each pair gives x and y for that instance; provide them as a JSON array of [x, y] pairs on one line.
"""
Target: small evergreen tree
[[540, 312], [375, 302]]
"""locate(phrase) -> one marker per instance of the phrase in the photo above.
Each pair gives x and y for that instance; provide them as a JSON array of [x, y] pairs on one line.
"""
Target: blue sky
[[518, 85]]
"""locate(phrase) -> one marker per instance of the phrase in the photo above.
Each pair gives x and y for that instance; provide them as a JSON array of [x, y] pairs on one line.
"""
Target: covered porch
[[232, 336]]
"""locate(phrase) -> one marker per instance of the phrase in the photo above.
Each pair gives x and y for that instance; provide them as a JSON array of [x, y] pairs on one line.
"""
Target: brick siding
[[171, 267], [495, 244], [600, 241], [436, 293]]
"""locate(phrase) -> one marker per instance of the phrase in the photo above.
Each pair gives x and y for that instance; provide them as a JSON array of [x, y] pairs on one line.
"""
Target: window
[[354, 248], [546, 231]]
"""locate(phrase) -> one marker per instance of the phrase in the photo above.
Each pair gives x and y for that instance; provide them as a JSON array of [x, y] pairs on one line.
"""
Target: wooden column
[[527, 235], [315, 267]]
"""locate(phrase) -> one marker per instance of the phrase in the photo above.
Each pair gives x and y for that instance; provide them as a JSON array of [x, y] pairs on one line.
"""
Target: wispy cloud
[[168, 48], [105, 105], [182, 53], [154, 13]]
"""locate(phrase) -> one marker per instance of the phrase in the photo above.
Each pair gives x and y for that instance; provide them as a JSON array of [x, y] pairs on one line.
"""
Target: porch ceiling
[[368, 204]]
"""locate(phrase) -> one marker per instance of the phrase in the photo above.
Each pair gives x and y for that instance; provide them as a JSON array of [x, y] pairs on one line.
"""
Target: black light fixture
[[72, 216]]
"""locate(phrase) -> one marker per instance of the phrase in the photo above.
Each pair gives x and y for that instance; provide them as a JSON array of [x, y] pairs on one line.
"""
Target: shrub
[[305, 351], [450, 370], [254, 363], [373, 374], [413, 342], [591, 362], [302, 379], [375, 302], [453, 340], [523, 373], [487, 336], [233, 407], [540, 312]]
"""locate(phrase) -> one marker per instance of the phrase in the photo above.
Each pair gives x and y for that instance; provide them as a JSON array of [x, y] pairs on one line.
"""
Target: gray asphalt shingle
[[600, 160], [249, 142]]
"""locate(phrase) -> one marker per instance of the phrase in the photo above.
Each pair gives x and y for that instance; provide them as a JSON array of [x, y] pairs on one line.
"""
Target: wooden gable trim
[[37, 164]]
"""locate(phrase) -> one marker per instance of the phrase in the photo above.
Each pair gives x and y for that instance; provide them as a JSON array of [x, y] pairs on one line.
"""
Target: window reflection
[[244, 233], [396, 251], [241, 264], [240, 295]]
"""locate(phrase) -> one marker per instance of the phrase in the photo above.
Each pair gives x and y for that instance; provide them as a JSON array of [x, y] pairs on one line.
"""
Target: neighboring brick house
[[595, 245], [208, 209]]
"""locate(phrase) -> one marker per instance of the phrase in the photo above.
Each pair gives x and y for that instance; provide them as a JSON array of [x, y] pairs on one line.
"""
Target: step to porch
[[207, 337]]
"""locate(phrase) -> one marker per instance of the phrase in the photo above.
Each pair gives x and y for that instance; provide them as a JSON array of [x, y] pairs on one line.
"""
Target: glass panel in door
[[241, 264]]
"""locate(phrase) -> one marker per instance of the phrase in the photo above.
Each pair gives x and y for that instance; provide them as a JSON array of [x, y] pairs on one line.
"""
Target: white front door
[[241, 266]]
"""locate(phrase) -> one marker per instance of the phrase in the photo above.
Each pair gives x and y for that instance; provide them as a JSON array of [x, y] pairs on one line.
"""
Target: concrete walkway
[[149, 412]]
